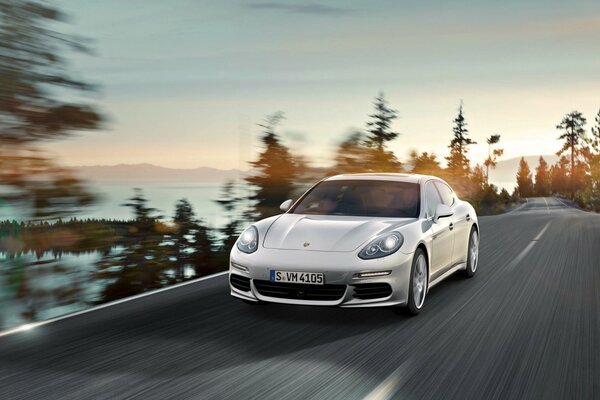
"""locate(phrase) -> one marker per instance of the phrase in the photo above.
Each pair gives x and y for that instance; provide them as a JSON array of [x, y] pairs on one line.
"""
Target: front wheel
[[472, 253], [419, 283]]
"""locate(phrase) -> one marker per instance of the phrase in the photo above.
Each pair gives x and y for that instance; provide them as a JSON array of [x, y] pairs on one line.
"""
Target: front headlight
[[382, 246], [248, 240]]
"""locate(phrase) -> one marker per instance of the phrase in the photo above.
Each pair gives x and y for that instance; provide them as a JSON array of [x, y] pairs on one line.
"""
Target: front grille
[[299, 291], [366, 291], [240, 282]]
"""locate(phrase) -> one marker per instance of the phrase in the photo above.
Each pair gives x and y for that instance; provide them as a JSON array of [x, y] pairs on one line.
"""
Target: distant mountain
[[505, 174], [149, 172]]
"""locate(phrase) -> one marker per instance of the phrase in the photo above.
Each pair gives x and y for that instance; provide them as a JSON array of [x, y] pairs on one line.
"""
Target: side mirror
[[286, 205], [442, 211]]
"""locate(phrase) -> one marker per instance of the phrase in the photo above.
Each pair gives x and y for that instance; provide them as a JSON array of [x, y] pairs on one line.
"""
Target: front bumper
[[339, 269]]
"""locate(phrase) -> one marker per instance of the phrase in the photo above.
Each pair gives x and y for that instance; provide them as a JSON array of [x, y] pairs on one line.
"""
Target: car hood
[[326, 232]]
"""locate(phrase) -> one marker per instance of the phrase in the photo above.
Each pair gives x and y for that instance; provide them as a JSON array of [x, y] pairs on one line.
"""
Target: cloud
[[311, 8]]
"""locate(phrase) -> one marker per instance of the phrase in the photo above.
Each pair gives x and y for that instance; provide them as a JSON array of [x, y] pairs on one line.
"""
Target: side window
[[446, 193], [433, 198]]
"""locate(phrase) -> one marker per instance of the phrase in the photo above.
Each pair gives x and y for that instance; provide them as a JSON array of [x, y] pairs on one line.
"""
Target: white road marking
[[26, 327], [521, 255], [539, 235], [390, 385], [547, 208], [527, 249]]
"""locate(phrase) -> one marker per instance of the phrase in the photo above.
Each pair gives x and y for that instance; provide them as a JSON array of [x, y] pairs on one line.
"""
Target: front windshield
[[362, 198]]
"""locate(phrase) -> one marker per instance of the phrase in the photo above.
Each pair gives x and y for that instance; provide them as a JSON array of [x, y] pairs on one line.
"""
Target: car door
[[461, 220], [442, 242]]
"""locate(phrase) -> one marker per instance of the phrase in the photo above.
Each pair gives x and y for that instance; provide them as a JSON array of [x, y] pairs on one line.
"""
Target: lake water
[[162, 196], [33, 289], [36, 288]]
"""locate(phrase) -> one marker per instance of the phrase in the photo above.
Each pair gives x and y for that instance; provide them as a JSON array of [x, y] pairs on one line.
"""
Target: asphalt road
[[527, 326]]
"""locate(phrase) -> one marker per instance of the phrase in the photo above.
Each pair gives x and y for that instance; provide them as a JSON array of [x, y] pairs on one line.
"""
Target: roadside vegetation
[[576, 175]]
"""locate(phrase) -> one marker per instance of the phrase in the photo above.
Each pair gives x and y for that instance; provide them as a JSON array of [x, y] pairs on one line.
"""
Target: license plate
[[310, 278]]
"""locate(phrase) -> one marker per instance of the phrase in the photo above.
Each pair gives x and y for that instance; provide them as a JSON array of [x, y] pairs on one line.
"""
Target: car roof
[[384, 176]]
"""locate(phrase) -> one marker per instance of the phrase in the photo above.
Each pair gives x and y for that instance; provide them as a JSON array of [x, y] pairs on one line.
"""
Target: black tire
[[472, 268], [412, 306]]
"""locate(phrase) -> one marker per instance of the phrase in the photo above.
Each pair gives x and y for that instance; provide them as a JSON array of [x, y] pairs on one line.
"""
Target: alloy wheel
[[420, 281], [474, 250]]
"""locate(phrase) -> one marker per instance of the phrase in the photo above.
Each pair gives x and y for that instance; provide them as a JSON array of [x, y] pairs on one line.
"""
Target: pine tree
[[515, 194], [490, 201], [228, 234], [594, 156], [351, 155], [458, 167], [542, 178], [595, 139], [139, 204], [575, 141], [34, 73], [274, 172], [524, 181], [559, 176], [505, 196], [425, 163], [379, 135], [203, 259], [38, 102], [140, 264], [478, 178], [192, 243], [182, 237], [493, 155], [379, 129]]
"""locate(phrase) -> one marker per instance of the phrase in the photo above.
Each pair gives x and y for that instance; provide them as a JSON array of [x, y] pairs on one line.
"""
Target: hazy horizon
[[248, 168], [184, 84]]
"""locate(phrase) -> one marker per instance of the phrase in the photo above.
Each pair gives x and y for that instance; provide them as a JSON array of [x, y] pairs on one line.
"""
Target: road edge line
[[513, 210], [26, 327], [576, 208]]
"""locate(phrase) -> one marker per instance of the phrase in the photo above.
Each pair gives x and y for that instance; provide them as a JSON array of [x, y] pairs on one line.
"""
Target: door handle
[[468, 218], [451, 226]]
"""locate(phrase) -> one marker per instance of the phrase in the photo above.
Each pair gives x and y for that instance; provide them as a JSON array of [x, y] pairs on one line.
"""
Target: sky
[[183, 83]]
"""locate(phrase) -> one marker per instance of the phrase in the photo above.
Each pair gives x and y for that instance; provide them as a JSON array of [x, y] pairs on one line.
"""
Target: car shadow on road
[[206, 331]]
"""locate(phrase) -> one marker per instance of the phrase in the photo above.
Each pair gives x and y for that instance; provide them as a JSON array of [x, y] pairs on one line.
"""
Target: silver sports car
[[360, 240]]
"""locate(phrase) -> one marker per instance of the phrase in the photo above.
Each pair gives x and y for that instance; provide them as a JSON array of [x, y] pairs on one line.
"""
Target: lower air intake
[[299, 291], [240, 282], [368, 291]]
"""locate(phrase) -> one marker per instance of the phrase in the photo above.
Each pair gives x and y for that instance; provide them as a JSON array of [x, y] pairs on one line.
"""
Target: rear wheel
[[472, 253], [418, 283]]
